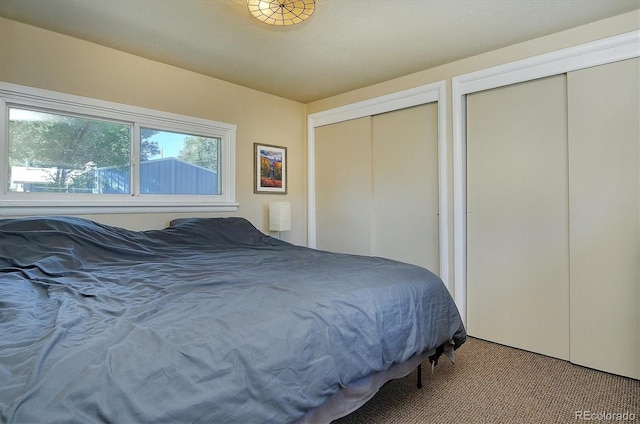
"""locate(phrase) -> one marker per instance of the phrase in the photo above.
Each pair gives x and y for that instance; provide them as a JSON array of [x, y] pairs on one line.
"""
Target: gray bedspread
[[207, 321]]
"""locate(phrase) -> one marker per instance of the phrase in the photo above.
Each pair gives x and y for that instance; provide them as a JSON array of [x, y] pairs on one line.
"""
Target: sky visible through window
[[170, 144]]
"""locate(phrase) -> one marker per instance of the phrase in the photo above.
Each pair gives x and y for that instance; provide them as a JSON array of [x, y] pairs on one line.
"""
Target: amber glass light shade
[[281, 12]]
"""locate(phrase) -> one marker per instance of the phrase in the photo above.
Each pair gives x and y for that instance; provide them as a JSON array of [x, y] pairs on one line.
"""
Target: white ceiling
[[345, 45]]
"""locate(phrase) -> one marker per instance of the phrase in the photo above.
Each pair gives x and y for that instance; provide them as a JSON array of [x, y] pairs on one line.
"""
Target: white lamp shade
[[280, 216]]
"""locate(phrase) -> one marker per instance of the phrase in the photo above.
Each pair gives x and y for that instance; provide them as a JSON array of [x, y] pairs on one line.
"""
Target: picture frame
[[270, 169]]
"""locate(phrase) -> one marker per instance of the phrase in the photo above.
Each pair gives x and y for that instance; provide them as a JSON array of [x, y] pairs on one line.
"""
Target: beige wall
[[44, 59]]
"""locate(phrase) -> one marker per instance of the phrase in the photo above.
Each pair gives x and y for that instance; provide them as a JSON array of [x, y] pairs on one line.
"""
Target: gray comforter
[[206, 321]]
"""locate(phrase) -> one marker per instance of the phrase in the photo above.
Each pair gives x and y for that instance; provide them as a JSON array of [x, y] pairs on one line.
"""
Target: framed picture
[[270, 169]]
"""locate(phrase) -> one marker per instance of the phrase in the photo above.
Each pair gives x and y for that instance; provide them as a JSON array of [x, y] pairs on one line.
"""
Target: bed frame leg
[[419, 376]]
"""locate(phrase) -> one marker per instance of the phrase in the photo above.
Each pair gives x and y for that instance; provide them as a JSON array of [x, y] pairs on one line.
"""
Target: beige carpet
[[491, 383]]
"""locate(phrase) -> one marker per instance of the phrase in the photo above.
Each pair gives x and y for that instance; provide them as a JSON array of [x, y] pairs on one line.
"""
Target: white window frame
[[14, 204]]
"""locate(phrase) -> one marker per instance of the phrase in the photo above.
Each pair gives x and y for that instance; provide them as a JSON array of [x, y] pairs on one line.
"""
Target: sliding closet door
[[517, 221], [604, 181], [343, 187], [377, 186], [405, 185]]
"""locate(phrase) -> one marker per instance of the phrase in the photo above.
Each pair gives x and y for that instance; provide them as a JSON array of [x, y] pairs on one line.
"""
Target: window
[[53, 153], [176, 163], [68, 154]]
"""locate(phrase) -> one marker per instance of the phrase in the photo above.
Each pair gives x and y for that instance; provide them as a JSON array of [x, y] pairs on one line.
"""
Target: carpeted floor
[[491, 383]]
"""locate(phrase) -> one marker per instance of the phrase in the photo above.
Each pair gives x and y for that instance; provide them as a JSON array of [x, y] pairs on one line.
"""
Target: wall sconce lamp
[[280, 216]]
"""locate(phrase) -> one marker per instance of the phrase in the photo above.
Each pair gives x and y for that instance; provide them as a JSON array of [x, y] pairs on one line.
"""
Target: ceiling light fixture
[[281, 12]]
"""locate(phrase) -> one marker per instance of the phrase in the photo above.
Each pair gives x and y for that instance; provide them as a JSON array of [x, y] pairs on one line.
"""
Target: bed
[[208, 320]]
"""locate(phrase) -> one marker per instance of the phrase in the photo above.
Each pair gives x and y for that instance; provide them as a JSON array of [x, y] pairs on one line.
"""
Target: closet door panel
[[343, 187], [405, 185], [604, 181], [517, 219]]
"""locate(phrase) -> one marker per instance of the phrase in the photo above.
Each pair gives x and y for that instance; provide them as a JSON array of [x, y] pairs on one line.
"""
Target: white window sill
[[10, 208]]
